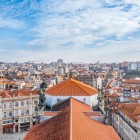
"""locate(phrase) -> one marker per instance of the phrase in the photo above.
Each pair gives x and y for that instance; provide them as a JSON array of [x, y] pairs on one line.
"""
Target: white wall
[[90, 100], [43, 118], [99, 83]]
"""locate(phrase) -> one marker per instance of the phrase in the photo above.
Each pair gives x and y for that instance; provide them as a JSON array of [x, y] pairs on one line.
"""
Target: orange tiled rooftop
[[132, 111], [72, 123], [71, 87], [22, 92], [131, 81]]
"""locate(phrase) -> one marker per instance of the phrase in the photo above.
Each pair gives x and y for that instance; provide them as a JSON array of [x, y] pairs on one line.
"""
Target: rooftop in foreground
[[71, 123]]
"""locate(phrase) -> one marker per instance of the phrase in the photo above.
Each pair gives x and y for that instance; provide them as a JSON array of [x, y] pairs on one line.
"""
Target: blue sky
[[75, 30]]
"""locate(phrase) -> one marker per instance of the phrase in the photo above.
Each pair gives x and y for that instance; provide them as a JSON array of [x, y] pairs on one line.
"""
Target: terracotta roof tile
[[71, 87], [92, 114], [71, 123], [50, 113], [22, 92], [115, 95], [56, 128], [131, 110], [131, 81], [110, 85], [5, 94]]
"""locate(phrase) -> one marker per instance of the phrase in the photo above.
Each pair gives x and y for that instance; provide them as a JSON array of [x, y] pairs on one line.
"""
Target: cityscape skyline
[[69, 69], [81, 30], [68, 62]]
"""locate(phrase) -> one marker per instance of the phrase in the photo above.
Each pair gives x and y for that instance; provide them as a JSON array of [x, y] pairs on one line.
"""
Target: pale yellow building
[[18, 110]]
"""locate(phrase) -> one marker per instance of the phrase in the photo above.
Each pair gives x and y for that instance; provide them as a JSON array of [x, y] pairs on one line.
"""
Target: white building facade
[[18, 113], [127, 128], [71, 88], [90, 100]]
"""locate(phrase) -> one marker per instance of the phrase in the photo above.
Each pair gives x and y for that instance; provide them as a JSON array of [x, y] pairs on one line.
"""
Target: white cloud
[[112, 52], [82, 23], [77, 30], [11, 23]]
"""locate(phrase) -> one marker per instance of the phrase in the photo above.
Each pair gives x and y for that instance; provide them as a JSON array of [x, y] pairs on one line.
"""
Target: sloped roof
[[21, 92], [110, 85], [5, 94], [50, 113], [115, 95], [131, 81], [71, 87], [132, 111], [24, 92], [72, 124]]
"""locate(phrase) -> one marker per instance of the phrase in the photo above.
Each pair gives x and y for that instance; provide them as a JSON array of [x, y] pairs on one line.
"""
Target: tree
[[42, 99]]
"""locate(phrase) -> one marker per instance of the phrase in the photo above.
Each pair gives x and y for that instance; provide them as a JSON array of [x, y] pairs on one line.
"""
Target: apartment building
[[126, 120], [18, 110]]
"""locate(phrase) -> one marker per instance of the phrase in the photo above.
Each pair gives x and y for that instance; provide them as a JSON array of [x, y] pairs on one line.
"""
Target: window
[[28, 119], [35, 109], [16, 104], [4, 106], [10, 106], [22, 103], [25, 120], [27, 103], [10, 113], [9, 121], [16, 113], [58, 100], [5, 114], [35, 102], [22, 112], [22, 119], [84, 100], [27, 112]]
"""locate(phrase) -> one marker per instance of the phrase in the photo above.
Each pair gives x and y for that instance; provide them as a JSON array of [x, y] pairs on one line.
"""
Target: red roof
[[132, 111], [115, 95], [5, 94], [71, 123], [110, 85], [50, 113], [71, 87], [131, 81], [22, 92]]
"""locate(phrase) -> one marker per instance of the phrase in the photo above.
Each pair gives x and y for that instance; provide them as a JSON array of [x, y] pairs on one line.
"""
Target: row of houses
[[123, 108], [18, 110]]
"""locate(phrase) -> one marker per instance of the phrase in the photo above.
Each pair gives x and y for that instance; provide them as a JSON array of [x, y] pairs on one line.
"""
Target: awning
[[8, 126]]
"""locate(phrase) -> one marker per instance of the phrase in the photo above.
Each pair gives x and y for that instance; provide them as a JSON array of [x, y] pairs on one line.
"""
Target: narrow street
[[16, 136]]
